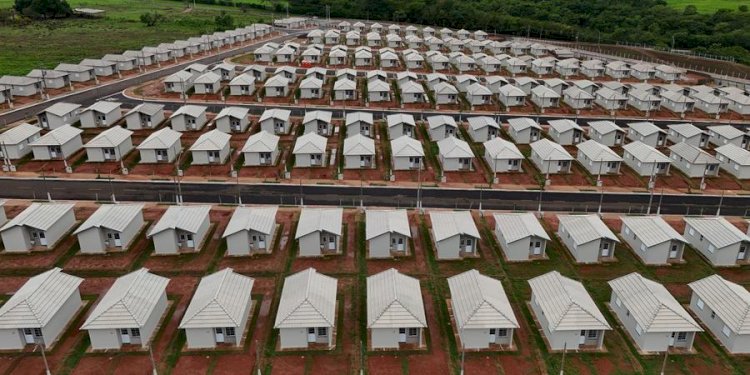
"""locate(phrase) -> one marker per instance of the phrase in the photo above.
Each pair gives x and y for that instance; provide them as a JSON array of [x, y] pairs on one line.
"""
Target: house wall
[[654, 255], [357, 126], [149, 156], [608, 139], [309, 245], [674, 137], [725, 256], [448, 248], [19, 150], [352, 162], [55, 327], [380, 246], [308, 93], [642, 168], [401, 163], [272, 93], [201, 157], [88, 118], [81, 76], [104, 339], [153, 320], [253, 158], [521, 137], [201, 338], [547, 166], [398, 130], [131, 230], [480, 338], [384, 338], [96, 154], [734, 343], [341, 95], [450, 164], [224, 124], [544, 102], [134, 120], [91, 241], [438, 133], [11, 339], [293, 338], [518, 250], [559, 339], [584, 253], [483, 134], [238, 89], [646, 341], [501, 165], [60, 228], [692, 170], [16, 239], [737, 170], [68, 149], [165, 242], [179, 123], [269, 126]]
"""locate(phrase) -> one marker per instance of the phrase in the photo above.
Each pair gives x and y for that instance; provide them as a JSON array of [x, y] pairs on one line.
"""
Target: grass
[[707, 6], [48, 43]]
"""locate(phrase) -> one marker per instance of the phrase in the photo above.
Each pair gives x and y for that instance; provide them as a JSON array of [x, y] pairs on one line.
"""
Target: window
[[502, 332], [638, 329], [230, 331], [700, 303], [643, 247], [413, 331], [323, 331], [592, 334], [691, 231], [311, 331], [711, 248], [713, 314], [135, 332], [402, 331], [725, 330], [38, 332], [681, 336]]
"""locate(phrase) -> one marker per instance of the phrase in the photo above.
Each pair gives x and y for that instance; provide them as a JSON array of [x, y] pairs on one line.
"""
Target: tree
[[224, 21], [44, 8], [742, 8], [690, 10], [152, 19]]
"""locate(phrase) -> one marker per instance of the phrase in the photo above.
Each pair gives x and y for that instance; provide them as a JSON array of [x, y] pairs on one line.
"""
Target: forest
[[726, 32]]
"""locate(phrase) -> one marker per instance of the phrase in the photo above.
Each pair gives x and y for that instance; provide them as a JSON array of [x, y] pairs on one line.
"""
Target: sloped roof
[[477, 89], [17, 81], [259, 219], [146, 108], [444, 88], [111, 137], [548, 150], [452, 147], [308, 299], [727, 131], [61, 109], [345, 84], [235, 112], [693, 154], [544, 92], [405, 146], [262, 141], [686, 130], [378, 86], [187, 218], [479, 122], [400, 118], [510, 90], [575, 92], [386, 221], [717, 230], [311, 82], [394, 300], [597, 151], [129, 302], [39, 215], [446, 224], [190, 110], [37, 302], [411, 87], [58, 136], [676, 97], [730, 301], [586, 228], [73, 68], [564, 125], [605, 127], [501, 149], [179, 76], [317, 115], [103, 106], [310, 143], [523, 123], [319, 219], [480, 302], [359, 144], [439, 120], [19, 133], [651, 230], [651, 305], [517, 226], [111, 216], [219, 301], [211, 141], [353, 117], [208, 78], [160, 139], [277, 81], [645, 153], [566, 303], [645, 128], [277, 113], [610, 94], [735, 153]]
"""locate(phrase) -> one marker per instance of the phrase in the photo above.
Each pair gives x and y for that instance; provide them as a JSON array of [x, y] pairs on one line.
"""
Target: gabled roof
[[324, 116], [644, 95], [319, 219], [686, 130], [116, 217], [311, 82], [405, 146], [597, 151], [19, 133], [129, 302], [262, 141], [479, 122], [38, 301], [179, 76], [511, 90], [480, 302], [359, 144], [452, 147], [645, 153], [235, 112], [160, 139], [308, 299], [18, 81], [605, 127], [651, 305], [610, 94], [190, 110], [73, 68], [477, 89], [277, 81], [146, 108], [111, 137], [46, 73], [651, 230], [186, 218], [386, 221], [365, 117], [730, 301], [58, 136], [211, 141], [394, 300], [726, 131], [377, 86], [501, 149], [693, 154], [717, 230], [677, 97], [259, 219], [446, 224], [586, 228], [566, 304], [39, 216], [219, 301], [400, 118], [544, 92], [575, 92], [440, 120], [208, 78], [523, 123], [645, 128], [97, 62], [444, 88], [344, 84], [563, 125], [61, 108], [310, 143], [517, 226], [548, 150], [411, 87], [103, 106], [735, 153], [276, 113]]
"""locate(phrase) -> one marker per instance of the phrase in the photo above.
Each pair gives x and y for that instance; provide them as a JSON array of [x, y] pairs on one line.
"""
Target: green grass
[[48, 43], [707, 6]]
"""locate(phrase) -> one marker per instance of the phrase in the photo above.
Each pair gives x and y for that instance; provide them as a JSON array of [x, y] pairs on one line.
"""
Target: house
[[264, 54], [387, 233], [520, 236], [734, 160], [276, 87], [445, 93], [189, 118], [592, 68], [180, 229], [567, 67], [311, 88], [315, 36], [654, 320], [565, 132], [439, 62], [502, 156], [393, 41], [483, 128], [644, 159], [477, 94], [414, 61], [524, 130], [720, 242], [307, 311], [59, 114], [407, 153], [610, 99], [463, 82], [454, 234], [110, 145], [643, 71], [319, 231], [129, 313], [606, 132], [275, 121], [232, 120], [687, 133], [511, 96], [5, 95], [21, 86], [124, 63], [644, 101], [39, 226], [412, 92], [647, 133], [587, 238], [464, 63], [494, 83], [653, 240], [550, 157], [359, 123], [219, 310], [363, 57], [441, 127], [211, 147], [617, 69], [358, 26], [102, 68], [101, 114], [180, 82], [318, 122], [285, 54], [710, 103], [669, 73], [693, 161], [39, 311], [359, 152], [598, 158], [353, 38], [77, 72], [344, 89], [544, 97], [577, 98], [721, 135], [455, 154], [309, 150], [316, 72], [395, 311], [515, 66], [261, 149], [311, 55], [162, 146], [14, 142], [722, 306], [207, 83], [378, 91], [251, 230], [52, 79], [145, 116], [258, 72], [542, 66], [556, 84], [373, 39], [60, 143], [739, 103], [401, 124], [481, 310], [112, 227], [567, 314]]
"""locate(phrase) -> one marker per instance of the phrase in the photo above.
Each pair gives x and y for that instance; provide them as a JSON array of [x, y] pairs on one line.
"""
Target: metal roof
[[345, 84], [440, 120], [480, 302], [39, 216], [219, 301], [190, 110], [479, 122], [605, 127], [317, 115], [477, 89], [651, 230], [544, 92], [18, 134], [645, 128], [674, 96], [259, 219], [394, 300], [308, 299], [160, 139], [208, 78], [359, 144], [645, 153], [564, 125], [111, 137], [310, 143], [73, 68], [693, 154], [726, 131], [236, 112], [511, 90], [129, 302], [651, 305], [446, 224], [61, 108], [405, 146], [386, 221], [378, 86], [566, 303], [18, 81], [276, 113], [365, 117], [262, 141], [609, 94], [103, 106], [597, 151], [686, 130], [452, 147], [97, 62], [36, 303], [548, 150], [318, 220], [735, 153], [58, 136], [517, 226], [730, 301], [146, 108], [717, 230], [500, 149], [116, 217], [311, 82], [46, 73], [523, 123], [277, 81], [585, 228], [412, 87], [400, 118], [187, 218], [211, 141]]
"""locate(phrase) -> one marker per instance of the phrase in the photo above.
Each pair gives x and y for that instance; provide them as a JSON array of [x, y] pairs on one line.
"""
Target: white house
[[483, 128], [311, 88], [550, 157], [722, 306], [644, 101], [401, 124], [597, 158], [395, 311], [677, 102], [261, 149], [652, 239], [276, 87], [59, 114], [734, 160], [520, 236], [407, 153], [275, 121], [721, 135], [718, 240], [687, 133], [693, 161], [101, 114], [587, 238], [359, 123], [565, 132], [647, 133], [606, 132], [345, 89], [110, 145], [179, 82], [442, 126], [577, 98], [502, 156], [211, 147], [161, 146], [14, 142], [307, 311], [610, 100], [387, 233], [22, 86], [645, 160], [189, 118], [309, 150], [60, 143], [207, 83], [318, 122], [145, 116], [454, 234], [251, 230], [511, 96], [232, 119], [544, 97], [359, 152], [455, 154], [180, 229], [319, 231], [524, 130]]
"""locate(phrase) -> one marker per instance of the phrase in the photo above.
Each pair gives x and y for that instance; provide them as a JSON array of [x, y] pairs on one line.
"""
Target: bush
[[224, 21], [43, 9], [152, 19]]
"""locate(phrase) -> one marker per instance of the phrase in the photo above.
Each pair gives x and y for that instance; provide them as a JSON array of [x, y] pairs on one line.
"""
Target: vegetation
[[43, 9], [651, 22], [152, 19]]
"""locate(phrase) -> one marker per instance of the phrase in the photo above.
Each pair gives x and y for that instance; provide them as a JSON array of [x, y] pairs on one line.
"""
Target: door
[[400, 244], [42, 239], [28, 335], [279, 127], [213, 156], [493, 334], [618, 138], [262, 242], [219, 334], [101, 120], [116, 238], [125, 336], [311, 335], [54, 152], [605, 249], [331, 242], [671, 339], [743, 251], [161, 155], [402, 335], [673, 251], [190, 241], [582, 337], [109, 153], [362, 161], [536, 247], [534, 135]]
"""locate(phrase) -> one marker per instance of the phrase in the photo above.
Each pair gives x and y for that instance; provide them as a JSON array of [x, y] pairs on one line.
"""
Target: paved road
[[289, 194]]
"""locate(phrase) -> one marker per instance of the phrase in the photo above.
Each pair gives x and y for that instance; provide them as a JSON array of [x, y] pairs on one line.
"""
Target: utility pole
[[664, 363], [153, 362], [41, 346], [651, 186], [562, 363]]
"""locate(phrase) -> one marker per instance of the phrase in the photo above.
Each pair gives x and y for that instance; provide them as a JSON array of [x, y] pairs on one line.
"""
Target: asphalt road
[[290, 194]]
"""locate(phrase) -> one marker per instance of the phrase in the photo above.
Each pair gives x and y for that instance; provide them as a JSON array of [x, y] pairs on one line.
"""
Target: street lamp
[[651, 186], [41, 345], [153, 362]]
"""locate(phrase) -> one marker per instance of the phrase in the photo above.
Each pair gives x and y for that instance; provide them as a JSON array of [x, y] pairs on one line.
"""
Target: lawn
[[708, 6], [48, 43]]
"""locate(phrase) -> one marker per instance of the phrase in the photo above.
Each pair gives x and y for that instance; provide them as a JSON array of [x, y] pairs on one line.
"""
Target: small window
[[593, 334], [323, 331], [681, 336], [643, 247], [627, 230], [502, 332], [725, 330], [711, 248], [230, 331], [311, 331], [713, 314], [413, 331], [700, 303]]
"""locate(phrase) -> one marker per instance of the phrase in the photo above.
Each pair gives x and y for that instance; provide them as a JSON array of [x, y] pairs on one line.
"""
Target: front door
[[311, 337], [331, 242], [536, 247], [402, 335], [125, 336], [605, 249], [42, 238], [219, 334], [582, 338], [190, 242], [400, 244], [55, 152], [742, 253], [262, 242], [28, 335], [673, 251], [161, 155], [101, 120], [671, 339], [213, 156], [118, 241], [618, 138], [493, 334], [109, 153]]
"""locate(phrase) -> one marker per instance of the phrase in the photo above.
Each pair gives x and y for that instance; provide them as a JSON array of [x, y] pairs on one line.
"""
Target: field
[[707, 6], [47, 43]]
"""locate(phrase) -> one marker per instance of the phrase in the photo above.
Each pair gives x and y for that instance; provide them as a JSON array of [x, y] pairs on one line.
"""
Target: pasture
[[708, 6]]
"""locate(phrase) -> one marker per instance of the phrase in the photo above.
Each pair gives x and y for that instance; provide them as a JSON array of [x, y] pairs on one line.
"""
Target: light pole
[[41, 345], [666, 355], [153, 362], [419, 184], [463, 351], [651, 186], [562, 363], [601, 186]]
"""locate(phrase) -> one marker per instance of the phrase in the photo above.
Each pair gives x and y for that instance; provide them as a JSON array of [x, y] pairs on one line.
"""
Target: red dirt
[[288, 364], [333, 264], [384, 364], [192, 364], [267, 262], [94, 365], [415, 264], [132, 365]]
